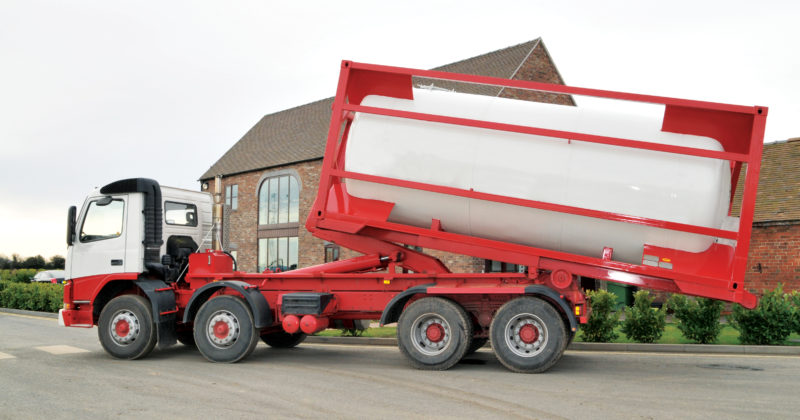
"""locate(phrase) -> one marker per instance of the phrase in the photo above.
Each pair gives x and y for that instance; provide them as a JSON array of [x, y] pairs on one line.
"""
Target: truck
[[561, 191]]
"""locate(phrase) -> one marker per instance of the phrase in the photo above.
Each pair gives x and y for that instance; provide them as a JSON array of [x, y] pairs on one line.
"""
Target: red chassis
[[379, 285]]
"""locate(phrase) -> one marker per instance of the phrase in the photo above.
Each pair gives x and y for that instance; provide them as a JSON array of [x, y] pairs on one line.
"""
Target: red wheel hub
[[435, 332], [221, 330], [122, 328], [528, 334]]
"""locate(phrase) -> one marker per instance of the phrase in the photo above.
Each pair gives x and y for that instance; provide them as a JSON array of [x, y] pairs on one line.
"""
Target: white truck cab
[[135, 225]]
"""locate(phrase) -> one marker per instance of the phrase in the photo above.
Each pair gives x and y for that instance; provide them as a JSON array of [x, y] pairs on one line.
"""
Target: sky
[[93, 91]]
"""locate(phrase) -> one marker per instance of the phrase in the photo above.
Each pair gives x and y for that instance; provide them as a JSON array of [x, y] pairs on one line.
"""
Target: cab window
[[103, 220], [180, 214]]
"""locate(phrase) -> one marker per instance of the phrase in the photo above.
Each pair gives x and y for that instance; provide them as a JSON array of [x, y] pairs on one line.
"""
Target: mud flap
[[164, 307]]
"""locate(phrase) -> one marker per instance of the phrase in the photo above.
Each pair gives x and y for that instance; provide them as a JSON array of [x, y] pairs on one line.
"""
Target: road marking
[[6, 356], [29, 316], [61, 349]]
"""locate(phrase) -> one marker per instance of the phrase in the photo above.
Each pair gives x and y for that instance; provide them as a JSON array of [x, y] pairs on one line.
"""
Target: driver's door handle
[[116, 262]]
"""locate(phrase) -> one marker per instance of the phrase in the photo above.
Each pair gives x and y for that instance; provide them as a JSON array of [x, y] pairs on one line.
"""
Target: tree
[[56, 262]]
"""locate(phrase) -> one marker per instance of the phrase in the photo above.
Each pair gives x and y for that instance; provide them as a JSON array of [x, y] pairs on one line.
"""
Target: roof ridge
[[533, 41]]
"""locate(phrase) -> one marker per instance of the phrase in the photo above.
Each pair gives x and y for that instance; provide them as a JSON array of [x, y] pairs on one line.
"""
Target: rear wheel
[[283, 340], [434, 333], [528, 335], [224, 330], [126, 329]]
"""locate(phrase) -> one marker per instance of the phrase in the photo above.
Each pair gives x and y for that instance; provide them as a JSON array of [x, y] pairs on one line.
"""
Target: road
[[47, 371]]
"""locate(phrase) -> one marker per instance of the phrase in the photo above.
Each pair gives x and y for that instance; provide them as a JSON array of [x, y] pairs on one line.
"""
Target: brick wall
[[774, 257]]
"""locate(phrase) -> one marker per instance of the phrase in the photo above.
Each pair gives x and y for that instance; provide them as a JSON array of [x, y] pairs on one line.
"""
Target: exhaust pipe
[[217, 235]]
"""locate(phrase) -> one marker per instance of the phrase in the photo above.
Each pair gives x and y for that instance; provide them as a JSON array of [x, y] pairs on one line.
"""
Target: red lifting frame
[[362, 224]]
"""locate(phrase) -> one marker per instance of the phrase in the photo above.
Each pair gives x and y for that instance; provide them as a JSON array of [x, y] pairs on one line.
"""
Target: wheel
[[224, 330], [186, 338], [476, 343], [126, 329], [434, 333], [528, 335], [283, 340]]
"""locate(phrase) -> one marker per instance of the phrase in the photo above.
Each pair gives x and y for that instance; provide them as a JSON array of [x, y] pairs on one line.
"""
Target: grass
[[672, 335]]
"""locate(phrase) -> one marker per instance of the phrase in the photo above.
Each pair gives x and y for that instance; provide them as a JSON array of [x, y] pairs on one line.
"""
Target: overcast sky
[[95, 91]]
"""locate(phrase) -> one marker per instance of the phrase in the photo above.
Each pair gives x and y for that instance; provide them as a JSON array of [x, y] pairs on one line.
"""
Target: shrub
[[643, 323], [770, 322], [22, 275], [602, 318], [44, 297], [698, 318]]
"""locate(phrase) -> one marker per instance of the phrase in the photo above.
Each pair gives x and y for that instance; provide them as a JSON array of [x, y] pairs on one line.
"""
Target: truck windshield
[[102, 221]]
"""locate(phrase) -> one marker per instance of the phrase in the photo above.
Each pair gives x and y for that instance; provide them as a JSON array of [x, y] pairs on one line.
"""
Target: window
[[491, 266], [278, 216], [279, 201], [331, 252], [103, 220], [277, 253], [232, 196], [180, 214]]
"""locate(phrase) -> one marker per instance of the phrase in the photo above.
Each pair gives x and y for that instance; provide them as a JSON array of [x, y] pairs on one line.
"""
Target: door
[[99, 246]]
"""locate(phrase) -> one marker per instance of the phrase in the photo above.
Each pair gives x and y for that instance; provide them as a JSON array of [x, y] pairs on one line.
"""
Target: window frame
[[192, 206], [81, 238]]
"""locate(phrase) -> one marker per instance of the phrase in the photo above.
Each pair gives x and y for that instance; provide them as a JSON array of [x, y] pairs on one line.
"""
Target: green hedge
[[44, 297], [602, 318], [20, 275], [643, 323], [770, 322], [697, 318]]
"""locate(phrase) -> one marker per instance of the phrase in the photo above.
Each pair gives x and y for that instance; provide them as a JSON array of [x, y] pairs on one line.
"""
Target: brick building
[[270, 176], [775, 244]]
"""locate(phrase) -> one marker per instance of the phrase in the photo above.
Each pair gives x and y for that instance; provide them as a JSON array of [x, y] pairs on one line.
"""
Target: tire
[[186, 338], [126, 329], [434, 333], [283, 340], [528, 335], [224, 330], [475, 344]]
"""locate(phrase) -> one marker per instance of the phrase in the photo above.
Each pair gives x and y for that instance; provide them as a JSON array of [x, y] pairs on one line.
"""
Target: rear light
[[54, 281]]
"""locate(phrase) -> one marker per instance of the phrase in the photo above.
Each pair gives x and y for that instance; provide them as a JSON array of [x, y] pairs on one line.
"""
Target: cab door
[[100, 237]]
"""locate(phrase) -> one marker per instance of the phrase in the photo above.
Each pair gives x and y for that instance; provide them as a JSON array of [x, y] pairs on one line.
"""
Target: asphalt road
[[47, 371]]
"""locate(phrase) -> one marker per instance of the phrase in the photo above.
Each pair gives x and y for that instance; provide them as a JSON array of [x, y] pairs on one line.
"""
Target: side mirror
[[71, 225]]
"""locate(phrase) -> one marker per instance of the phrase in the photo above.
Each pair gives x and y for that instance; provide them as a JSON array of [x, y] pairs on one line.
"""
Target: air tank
[[655, 185]]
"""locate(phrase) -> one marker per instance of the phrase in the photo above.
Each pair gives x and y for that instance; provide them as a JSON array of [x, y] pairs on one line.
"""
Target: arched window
[[278, 222]]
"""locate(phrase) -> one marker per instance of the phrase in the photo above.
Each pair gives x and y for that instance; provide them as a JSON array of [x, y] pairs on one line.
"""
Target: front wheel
[[224, 330], [528, 335], [434, 333], [126, 329]]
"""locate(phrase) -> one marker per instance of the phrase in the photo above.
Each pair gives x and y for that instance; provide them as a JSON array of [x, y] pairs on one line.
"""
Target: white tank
[[655, 185]]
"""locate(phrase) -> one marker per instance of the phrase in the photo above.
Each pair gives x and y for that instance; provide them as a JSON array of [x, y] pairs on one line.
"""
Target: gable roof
[[298, 134], [778, 195]]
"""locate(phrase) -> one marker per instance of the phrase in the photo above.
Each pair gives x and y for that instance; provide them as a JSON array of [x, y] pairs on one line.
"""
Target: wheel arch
[[557, 301], [262, 314], [158, 294], [391, 313]]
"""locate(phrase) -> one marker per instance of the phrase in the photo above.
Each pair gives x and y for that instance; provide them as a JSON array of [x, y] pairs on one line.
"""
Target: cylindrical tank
[[655, 185]]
